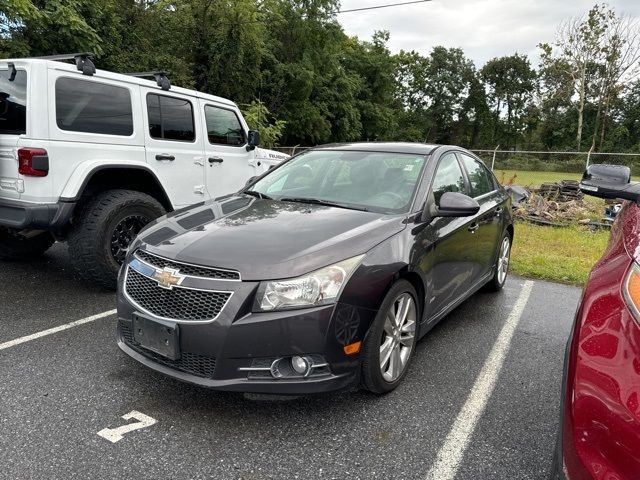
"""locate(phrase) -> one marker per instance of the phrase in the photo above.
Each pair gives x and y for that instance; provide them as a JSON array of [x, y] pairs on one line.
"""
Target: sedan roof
[[387, 147]]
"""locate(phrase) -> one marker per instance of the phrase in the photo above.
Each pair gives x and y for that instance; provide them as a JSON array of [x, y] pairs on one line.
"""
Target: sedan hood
[[266, 239]]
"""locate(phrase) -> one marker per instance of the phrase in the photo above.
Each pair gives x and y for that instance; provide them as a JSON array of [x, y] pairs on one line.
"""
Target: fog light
[[300, 365]]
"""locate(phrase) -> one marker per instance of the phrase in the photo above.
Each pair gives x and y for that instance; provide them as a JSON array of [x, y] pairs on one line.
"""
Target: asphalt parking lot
[[58, 391]]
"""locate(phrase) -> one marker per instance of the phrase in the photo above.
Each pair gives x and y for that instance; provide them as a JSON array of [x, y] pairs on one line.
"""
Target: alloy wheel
[[398, 337], [503, 260], [124, 233]]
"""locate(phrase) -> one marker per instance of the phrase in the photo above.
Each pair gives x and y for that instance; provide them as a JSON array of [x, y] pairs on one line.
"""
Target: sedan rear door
[[487, 225]]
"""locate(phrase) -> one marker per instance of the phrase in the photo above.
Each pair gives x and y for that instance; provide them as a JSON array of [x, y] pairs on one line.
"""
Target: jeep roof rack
[[83, 61], [161, 78], [12, 71]]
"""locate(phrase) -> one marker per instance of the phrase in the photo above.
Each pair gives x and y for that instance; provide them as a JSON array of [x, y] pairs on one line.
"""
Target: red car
[[599, 434]]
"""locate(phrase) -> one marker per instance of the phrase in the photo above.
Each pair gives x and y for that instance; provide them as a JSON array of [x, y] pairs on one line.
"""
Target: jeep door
[[173, 142], [228, 162]]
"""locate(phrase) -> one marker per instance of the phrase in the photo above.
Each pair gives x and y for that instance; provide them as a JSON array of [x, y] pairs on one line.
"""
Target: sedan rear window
[[376, 181], [13, 102]]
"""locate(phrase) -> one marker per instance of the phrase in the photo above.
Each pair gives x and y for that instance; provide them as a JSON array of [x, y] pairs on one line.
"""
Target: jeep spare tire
[[18, 246], [103, 231]]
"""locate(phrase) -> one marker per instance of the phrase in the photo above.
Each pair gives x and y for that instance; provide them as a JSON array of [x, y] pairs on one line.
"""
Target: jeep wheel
[[15, 246], [103, 231]]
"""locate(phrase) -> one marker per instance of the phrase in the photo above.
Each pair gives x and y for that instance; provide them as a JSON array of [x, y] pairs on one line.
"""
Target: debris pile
[[555, 204], [563, 191]]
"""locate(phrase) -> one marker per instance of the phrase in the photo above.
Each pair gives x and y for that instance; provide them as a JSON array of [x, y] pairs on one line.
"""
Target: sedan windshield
[[372, 181]]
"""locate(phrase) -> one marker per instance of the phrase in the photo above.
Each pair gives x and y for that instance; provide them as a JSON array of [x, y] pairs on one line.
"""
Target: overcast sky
[[484, 29]]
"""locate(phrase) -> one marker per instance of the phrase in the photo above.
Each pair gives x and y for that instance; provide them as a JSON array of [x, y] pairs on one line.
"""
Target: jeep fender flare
[[83, 174]]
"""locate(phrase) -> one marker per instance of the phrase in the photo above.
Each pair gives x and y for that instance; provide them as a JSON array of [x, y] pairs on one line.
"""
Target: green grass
[[564, 254], [535, 179]]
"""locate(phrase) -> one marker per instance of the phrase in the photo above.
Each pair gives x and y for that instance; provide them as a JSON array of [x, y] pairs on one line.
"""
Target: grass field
[[535, 179], [564, 254], [558, 254]]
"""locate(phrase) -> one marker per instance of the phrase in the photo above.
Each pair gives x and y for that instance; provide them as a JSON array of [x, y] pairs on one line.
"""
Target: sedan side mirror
[[250, 181], [610, 181], [452, 204], [253, 139]]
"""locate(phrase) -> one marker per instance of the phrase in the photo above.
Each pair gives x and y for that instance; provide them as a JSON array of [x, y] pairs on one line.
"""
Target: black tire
[[90, 241], [496, 283], [14, 246], [371, 375]]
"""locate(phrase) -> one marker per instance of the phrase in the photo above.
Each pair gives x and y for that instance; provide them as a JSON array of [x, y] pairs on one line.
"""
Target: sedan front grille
[[178, 303], [187, 269]]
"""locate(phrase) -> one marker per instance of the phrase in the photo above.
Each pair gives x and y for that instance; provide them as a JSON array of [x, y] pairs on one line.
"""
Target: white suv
[[90, 157]]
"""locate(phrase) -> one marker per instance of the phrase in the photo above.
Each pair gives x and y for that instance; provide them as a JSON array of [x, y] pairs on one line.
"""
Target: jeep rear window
[[93, 107], [13, 102], [170, 118]]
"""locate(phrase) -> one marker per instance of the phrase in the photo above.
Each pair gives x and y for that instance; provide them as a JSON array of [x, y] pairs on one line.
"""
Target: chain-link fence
[[566, 162], [531, 160]]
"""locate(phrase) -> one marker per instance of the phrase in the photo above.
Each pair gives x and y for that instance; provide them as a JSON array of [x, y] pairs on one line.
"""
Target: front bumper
[[46, 216], [217, 354]]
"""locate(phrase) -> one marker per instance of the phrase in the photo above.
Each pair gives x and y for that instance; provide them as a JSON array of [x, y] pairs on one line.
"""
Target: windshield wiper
[[317, 201], [257, 194]]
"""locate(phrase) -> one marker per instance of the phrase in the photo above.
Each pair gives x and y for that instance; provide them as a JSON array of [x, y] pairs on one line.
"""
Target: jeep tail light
[[33, 162], [631, 290]]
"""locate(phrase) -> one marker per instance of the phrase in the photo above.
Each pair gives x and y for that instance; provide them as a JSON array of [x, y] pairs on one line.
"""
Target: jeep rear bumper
[[42, 216]]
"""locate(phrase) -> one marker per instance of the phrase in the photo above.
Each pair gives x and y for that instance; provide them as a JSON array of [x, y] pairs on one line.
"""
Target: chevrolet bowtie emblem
[[168, 278]]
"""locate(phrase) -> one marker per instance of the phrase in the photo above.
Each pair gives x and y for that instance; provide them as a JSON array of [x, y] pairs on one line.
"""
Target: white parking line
[[50, 331], [451, 453]]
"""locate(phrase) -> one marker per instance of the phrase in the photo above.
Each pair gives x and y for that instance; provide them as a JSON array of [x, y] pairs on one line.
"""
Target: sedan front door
[[446, 246]]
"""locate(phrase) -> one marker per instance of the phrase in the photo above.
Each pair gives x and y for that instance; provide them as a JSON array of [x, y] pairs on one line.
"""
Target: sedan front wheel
[[391, 340]]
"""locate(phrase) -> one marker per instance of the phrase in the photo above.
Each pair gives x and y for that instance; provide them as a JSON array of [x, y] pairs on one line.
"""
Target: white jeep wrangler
[[90, 157]]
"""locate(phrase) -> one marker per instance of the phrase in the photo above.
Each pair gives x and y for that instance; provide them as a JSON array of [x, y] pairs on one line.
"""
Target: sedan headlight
[[317, 288]]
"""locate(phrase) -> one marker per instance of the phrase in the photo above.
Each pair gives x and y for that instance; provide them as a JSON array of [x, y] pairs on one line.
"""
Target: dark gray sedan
[[320, 275]]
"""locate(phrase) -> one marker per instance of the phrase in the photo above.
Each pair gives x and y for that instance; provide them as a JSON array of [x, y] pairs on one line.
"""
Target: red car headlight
[[631, 290]]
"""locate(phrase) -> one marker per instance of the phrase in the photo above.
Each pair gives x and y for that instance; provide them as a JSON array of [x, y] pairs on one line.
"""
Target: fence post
[[493, 161], [589, 156]]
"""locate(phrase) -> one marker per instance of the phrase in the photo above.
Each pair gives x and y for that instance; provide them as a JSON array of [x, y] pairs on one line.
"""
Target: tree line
[[303, 81]]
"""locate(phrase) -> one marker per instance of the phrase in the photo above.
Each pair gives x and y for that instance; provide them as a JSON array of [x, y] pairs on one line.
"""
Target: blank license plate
[[158, 336]]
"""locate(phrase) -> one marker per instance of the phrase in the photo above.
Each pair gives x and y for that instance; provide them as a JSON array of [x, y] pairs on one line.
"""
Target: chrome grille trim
[[187, 269]]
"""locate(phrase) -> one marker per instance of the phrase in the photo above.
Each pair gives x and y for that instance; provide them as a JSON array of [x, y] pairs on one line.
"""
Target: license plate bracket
[[159, 336]]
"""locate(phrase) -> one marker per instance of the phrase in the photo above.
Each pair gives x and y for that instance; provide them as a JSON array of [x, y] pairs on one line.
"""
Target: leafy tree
[[511, 83], [258, 117]]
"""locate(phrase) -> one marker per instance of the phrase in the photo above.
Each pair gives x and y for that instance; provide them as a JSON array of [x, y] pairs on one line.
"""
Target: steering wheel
[[395, 196]]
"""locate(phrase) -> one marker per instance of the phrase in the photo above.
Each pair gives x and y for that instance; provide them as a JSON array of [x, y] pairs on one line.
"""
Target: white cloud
[[482, 28]]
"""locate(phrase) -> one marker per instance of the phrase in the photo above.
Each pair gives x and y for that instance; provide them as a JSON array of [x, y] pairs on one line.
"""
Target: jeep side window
[[223, 126], [13, 103], [93, 107], [170, 118]]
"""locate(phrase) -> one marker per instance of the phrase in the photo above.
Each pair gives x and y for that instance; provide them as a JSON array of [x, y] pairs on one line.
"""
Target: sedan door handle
[[473, 227], [165, 156], [215, 160]]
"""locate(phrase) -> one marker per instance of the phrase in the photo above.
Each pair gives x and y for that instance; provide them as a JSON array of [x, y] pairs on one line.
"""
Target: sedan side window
[[479, 177], [448, 177]]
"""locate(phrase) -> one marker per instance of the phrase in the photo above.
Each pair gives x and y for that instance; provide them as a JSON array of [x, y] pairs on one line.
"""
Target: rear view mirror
[[610, 181], [253, 139], [452, 204]]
